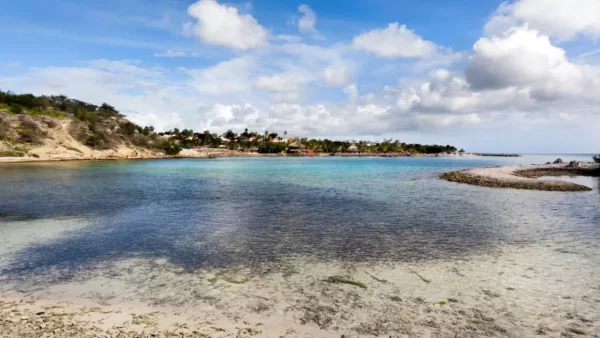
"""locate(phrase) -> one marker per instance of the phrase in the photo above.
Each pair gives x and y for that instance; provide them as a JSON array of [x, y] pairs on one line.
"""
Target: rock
[[574, 164], [559, 161], [548, 162]]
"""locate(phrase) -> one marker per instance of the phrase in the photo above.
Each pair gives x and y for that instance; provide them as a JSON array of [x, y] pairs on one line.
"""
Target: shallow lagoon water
[[107, 241], [216, 213]]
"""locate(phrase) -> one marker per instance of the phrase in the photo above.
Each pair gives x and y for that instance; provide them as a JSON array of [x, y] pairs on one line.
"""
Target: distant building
[[278, 140], [296, 148], [353, 148], [224, 139]]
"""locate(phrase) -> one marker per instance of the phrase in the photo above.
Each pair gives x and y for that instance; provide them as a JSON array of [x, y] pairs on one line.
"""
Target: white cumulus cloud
[[229, 76], [564, 19], [223, 25], [394, 41], [524, 58], [283, 88], [336, 75], [306, 24]]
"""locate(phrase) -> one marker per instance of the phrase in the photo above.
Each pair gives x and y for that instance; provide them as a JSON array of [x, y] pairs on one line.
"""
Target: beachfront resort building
[[296, 148]]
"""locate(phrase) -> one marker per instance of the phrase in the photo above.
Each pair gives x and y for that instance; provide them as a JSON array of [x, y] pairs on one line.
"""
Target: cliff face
[[60, 136]]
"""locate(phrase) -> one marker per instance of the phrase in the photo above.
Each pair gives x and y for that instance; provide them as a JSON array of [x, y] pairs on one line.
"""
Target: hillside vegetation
[[53, 125], [58, 127]]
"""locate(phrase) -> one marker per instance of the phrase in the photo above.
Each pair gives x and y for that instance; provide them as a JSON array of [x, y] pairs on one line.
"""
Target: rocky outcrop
[[558, 161], [525, 177]]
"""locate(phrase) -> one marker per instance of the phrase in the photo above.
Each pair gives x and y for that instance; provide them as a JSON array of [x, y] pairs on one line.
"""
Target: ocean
[[67, 222]]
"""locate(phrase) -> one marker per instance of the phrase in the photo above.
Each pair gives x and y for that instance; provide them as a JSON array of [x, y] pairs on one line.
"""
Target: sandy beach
[[127, 153]]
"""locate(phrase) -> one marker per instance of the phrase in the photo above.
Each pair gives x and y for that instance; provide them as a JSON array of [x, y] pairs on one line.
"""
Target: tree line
[[272, 143], [102, 126]]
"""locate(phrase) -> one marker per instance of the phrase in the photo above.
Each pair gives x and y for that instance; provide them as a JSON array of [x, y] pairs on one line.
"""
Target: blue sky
[[484, 75]]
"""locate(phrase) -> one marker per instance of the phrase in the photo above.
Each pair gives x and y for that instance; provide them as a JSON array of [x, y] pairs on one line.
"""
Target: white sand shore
[[126, 154]]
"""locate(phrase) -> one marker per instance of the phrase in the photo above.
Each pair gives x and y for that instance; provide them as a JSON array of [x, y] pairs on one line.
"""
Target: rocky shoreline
[[525, 177]]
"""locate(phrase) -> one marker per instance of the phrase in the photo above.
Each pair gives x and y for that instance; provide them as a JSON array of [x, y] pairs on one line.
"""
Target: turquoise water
[[246, 211]]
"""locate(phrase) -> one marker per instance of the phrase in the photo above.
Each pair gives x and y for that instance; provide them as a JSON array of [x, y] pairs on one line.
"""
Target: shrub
[[596, 158], [12, 153], [51, 123], [129, 128], [30, 131], [28, 123], [90, 117], [79, 132], [4, 128], [141, 141], [16, 109], [29, 136], [100, 140], [173, 149], [170, 148]]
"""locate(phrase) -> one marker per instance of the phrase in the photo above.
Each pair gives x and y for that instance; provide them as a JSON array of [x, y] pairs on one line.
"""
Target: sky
[[517, 76]]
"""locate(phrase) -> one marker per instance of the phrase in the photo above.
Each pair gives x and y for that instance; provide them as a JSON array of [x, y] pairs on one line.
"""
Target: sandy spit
[[524, 176]]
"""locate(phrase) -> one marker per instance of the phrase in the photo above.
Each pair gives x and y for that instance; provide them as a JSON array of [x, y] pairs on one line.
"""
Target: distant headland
[[45, 128]]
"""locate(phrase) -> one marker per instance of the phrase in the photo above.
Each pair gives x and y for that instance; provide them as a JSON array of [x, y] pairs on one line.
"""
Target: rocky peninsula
[[526, 176]]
